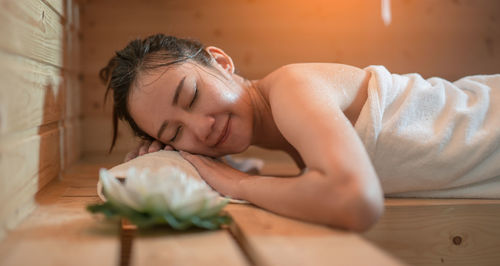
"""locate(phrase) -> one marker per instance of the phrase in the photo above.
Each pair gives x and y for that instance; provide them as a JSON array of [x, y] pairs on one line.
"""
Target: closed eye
[[177, 132], [195, 95]]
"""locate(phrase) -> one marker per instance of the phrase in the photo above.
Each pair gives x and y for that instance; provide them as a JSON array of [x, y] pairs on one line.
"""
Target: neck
[[265, 132]]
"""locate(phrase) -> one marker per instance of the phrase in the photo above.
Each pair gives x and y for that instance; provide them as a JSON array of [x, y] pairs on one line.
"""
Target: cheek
[[188, 143], [227, 94]]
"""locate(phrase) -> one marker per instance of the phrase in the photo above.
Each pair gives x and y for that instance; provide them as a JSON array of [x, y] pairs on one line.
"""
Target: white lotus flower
[[167, 191]]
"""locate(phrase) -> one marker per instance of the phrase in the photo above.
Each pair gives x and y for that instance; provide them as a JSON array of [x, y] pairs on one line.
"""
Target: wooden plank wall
[[447, 38], [39, 100]]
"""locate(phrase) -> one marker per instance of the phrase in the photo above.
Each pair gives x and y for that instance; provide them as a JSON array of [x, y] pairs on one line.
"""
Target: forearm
[[312, 197]]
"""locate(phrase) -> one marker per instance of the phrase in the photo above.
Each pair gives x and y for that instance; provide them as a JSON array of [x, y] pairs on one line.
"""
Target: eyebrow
[[178, 91]]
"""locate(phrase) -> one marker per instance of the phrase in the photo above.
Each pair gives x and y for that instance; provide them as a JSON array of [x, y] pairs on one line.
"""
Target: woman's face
[[193, 108]]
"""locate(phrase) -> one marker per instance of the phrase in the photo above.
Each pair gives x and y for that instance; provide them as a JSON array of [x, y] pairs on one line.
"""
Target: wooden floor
[[61, 232], [417, 232]]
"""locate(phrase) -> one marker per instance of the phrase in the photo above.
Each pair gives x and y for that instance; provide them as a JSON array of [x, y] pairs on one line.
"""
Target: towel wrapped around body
[[433, 138]]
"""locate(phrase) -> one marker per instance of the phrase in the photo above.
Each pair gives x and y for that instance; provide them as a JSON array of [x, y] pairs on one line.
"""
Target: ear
[[221, 59]]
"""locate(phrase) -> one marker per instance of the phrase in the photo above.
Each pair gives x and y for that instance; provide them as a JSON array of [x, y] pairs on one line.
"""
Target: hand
[[220, 176], [144, 147]]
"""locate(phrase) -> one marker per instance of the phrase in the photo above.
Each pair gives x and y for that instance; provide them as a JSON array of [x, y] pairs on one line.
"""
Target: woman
[[180, 94]]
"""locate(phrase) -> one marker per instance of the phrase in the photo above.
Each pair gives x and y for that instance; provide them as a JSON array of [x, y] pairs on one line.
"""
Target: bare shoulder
[[314, 72], [342, 82]]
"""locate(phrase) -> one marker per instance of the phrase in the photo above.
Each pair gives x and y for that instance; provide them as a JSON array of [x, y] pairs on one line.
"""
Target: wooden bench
[[440, 231], [61, 232], [416, 231], [427, 231]]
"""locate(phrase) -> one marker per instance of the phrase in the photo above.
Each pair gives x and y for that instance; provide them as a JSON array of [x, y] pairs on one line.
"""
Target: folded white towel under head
[[154, 162]]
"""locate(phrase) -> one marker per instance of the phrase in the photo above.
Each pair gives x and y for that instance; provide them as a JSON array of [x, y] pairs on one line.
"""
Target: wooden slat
[[73, 95], [58, 5], [18, 207], [270, 239], [72, 141], [32, 29], [60, 231], [97, 133], [194, 247], [72, 40], [72, 120], [93, 98], [437, 231], [31, 93], [27, 156], [28, 161]]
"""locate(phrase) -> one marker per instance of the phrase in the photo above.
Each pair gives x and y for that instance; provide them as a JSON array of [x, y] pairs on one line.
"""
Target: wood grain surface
[[40, 117], [271, 239], [446, 38], [440, 231], [61, 232]]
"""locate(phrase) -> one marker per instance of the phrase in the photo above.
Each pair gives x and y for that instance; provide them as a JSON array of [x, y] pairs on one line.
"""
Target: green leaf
[[149, 219]]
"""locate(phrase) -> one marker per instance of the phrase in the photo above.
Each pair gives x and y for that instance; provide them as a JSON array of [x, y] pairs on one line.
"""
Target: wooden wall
[[39, 100], [447, 38]]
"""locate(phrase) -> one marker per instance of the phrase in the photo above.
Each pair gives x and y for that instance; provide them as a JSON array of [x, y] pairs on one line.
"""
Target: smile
[[225, 132]]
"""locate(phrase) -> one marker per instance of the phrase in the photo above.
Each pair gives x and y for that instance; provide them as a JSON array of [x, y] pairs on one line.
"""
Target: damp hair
[[140, 56]]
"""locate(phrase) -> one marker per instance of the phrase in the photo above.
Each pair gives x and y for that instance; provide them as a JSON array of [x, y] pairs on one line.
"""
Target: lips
[[225, 132]]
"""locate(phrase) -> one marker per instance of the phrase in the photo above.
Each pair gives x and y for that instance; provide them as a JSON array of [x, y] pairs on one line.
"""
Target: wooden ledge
[[440, 231], [61, 232], [271, 239], [418, 231]]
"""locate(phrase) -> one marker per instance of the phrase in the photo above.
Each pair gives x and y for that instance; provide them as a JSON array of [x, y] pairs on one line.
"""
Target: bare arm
[[341, 187]]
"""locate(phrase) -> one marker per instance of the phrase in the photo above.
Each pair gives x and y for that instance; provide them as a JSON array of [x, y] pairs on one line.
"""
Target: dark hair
[[142, 55]]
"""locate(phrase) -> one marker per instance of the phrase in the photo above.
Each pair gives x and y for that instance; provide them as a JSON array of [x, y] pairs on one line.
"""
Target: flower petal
[[116, 191]]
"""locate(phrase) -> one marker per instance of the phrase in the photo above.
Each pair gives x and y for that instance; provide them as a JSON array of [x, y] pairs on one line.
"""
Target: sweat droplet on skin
[[230, 96]]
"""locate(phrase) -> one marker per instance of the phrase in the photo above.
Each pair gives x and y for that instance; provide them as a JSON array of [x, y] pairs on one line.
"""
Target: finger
[[197, 160], [193, 159], [144, 148], [186, 155], [129, 156], [208, 159], [168, 148], [155, 146]]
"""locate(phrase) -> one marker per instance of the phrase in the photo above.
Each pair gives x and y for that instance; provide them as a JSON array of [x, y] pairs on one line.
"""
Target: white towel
[[433, 138], [155, 161]]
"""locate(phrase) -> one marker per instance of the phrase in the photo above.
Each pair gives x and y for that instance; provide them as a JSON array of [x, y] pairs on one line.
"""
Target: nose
[[200, 125]]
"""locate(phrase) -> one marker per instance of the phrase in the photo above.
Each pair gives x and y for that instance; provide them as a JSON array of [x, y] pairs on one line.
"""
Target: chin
[[243, 148], [241, 145]]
